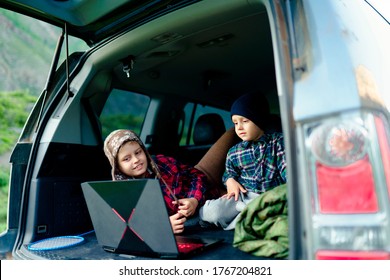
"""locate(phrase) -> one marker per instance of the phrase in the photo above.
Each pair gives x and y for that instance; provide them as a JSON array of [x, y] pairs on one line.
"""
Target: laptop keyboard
[[188, 247]]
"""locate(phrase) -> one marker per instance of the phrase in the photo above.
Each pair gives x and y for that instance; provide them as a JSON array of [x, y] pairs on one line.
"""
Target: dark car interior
[[210, 59]]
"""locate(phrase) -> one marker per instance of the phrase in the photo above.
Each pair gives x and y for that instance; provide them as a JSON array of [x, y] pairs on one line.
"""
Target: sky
[[382, 6]]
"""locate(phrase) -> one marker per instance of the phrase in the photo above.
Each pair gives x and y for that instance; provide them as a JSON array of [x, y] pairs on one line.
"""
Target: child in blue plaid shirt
[[253, 166]]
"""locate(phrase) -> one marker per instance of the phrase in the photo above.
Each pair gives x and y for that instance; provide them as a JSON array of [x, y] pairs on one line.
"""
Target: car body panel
[[333, 66], [310, 68]]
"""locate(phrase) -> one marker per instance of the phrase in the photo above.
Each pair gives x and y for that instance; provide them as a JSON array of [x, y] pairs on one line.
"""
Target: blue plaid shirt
[[257, 165]]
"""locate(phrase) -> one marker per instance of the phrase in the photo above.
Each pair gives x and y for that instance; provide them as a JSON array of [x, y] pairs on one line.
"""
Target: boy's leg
[[224, 212], [219, 212]]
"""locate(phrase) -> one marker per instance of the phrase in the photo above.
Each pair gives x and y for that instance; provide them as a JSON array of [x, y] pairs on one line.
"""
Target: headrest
[[208, 129]]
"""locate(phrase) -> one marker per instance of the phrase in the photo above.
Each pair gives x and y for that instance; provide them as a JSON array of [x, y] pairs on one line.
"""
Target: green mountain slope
[[20, 37], [26, 51]]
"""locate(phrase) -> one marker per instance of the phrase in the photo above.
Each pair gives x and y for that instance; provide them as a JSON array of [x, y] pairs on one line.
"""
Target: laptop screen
[[130, 216]]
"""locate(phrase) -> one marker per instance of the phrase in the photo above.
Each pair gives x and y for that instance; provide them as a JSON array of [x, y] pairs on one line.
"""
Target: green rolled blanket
[[262, 228]]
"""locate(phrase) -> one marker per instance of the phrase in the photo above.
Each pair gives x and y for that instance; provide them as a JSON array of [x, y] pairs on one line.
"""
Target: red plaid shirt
[[184, 180]]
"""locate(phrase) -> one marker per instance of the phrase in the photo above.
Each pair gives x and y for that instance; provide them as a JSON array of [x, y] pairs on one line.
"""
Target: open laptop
[[130, 217]]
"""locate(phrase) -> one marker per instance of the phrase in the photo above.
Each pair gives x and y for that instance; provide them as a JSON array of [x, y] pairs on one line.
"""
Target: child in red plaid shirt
[[183, 186]]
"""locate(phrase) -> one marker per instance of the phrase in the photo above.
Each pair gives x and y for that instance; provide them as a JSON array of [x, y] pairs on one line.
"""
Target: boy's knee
[[209, 212], [217, 211]]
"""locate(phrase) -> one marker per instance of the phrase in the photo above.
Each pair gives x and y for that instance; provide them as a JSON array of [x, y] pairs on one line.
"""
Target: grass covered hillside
[[3, 197], [27, 48], [20, 37], [23, 72], [14, 110]]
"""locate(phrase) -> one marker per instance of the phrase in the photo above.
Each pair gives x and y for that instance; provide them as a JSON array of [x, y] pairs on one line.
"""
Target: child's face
[[132, 160], [246, 129]]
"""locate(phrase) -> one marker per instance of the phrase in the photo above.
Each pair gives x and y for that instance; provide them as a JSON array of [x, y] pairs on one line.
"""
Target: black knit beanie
[[253, 106]]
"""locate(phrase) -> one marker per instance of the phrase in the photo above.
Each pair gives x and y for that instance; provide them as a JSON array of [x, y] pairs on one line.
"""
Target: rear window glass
[[124, 110], [197, 110]]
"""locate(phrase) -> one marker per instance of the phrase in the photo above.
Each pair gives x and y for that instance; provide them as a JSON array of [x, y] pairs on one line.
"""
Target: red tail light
[[352, 255], [348, 189], [384, 145], [348, 159], [345, 180]]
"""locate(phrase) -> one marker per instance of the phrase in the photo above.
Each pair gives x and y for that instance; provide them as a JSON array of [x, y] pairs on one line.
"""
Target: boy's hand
[[177, 222], [233, 189], [187, 206]]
